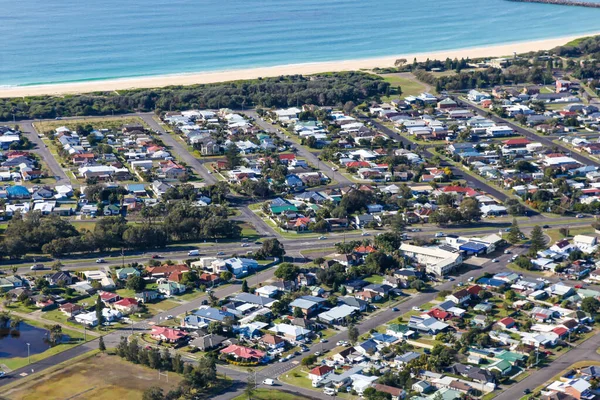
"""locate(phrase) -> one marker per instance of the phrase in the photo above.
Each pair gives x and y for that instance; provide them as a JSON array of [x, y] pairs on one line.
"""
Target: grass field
[[97, 122], [98, 377], [409, 87]]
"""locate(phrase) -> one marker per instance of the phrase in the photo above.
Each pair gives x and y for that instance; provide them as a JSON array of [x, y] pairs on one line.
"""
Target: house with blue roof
[[17, 192], [490, 282], [308, 304], [382, 338], [207, 315], [368, 347], [137, 189], [294, 182]]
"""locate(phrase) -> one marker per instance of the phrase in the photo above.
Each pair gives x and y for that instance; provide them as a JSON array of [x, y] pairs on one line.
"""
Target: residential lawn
[[374, 279], [192, 295], [113, 123], [270, 394], [100, 377], [75, 339], [327, 333], [19, 307], [162, 306], [516, 268], [298, 377]]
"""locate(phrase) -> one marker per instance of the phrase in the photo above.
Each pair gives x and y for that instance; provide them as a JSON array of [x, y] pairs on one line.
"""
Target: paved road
[[40, 148], [178, 148], [302, 150], [294, 247]]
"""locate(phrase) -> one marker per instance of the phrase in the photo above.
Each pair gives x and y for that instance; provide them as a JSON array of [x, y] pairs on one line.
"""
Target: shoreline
[[185, 79]]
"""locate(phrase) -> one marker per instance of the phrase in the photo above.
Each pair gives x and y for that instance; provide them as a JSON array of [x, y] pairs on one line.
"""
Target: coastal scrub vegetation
[[577, 57], [331, 89]]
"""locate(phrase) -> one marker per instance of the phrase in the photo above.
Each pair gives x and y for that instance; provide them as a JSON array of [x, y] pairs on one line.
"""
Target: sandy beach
[[251, 73]]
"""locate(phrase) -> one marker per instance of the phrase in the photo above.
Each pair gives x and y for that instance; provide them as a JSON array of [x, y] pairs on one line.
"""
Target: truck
[[194, 253]]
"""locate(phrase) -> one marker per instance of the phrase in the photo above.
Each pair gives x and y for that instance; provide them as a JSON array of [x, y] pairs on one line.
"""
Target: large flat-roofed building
[[436, 260]]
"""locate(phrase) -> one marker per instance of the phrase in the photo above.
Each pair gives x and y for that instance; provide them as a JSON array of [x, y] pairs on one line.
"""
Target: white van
[[269, 382], [194, 253]]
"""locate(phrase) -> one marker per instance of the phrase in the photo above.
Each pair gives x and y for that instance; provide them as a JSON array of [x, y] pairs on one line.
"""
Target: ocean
[[73, 40]]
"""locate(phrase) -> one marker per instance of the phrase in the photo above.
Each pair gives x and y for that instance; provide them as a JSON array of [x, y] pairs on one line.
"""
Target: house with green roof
[[276, 210], [502, 366], [511, 357], [400, 331], [124, 273]]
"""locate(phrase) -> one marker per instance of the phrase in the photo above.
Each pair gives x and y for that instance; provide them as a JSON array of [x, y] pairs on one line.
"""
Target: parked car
[[365, 234], [580, 216], [440, 234], [156, 256], [317, 353], [506, 251], [395, 309], [194, 253], [416, 309], [221, 253], [495, 260], [100, 261], [322, 237], [323, 340], [245, 245]]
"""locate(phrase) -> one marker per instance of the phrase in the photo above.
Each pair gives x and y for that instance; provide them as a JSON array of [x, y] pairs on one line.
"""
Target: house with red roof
[[358, 164], [70, 309], [126, 306], [319, 373], [83, 158], [460, 190], [169, 335], [272, 341], [438, 314], [510, 143], [244, 353], [507, 323], [364, 250], [108, 298], [287, 158], [562, 332], [368, 296], [474, 290], [165, 271]]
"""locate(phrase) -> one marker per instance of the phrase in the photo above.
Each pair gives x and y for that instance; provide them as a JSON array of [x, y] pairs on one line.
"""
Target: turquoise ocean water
[[74, 40]]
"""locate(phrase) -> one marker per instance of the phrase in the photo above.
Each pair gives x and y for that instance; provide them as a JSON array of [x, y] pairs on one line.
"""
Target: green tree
[[287, 271], [353, 333], [309, 360], [271, 248], [153, 393], [226, 276], [514, 235], [135, 283], [538, 241], [418, 285], [232, 156], [99, 307], [244, 286], [590, 305], [298, 312]]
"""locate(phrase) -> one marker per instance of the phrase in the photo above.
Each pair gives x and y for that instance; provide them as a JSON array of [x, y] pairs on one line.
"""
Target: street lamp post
[[28, 354]]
